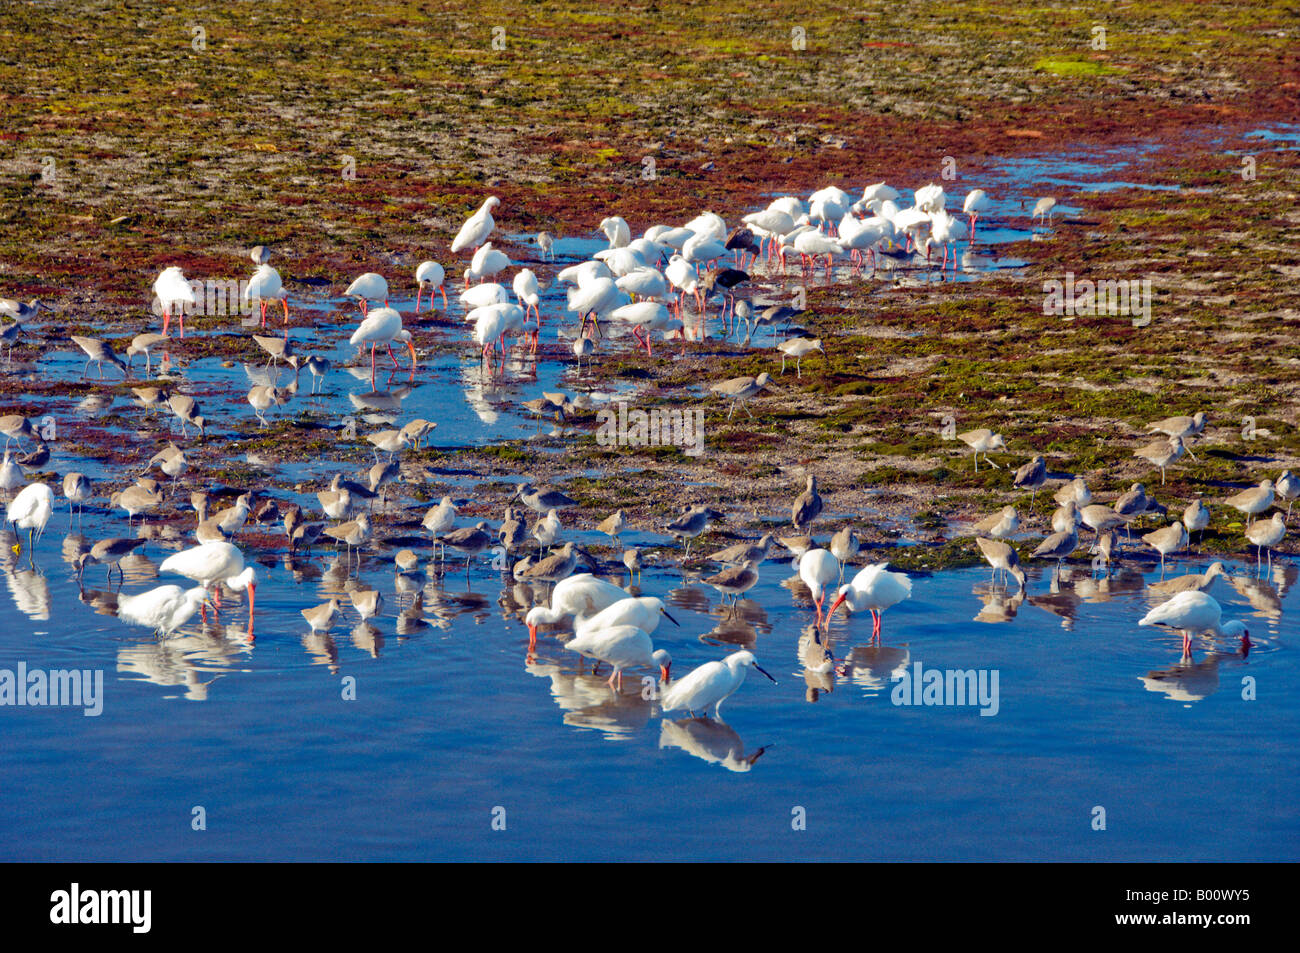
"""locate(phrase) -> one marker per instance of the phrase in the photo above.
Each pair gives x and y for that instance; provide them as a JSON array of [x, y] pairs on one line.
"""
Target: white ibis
[[264, 286], [210, 564], [1195, 613], [477, 227], [432, 275], [382, 326], [368, 287], [173, 291], [874, 589]]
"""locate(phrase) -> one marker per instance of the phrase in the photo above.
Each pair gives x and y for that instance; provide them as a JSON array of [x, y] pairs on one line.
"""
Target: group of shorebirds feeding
[[642, 285]]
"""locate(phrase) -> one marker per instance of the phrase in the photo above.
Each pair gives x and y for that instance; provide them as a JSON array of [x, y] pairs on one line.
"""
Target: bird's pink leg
[[372, 366], [284, 302], [419, 291], [391, 355], [444, 297], [166, 319]]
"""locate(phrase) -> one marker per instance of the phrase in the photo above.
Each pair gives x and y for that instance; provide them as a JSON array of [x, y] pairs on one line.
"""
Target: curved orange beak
[[665, 672], [835, 605]]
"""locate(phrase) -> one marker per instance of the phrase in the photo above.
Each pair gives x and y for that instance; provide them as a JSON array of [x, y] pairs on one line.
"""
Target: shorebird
[[1264, 535], [1196, 517], [982, 441], [1287, 488], [1183, 428], [319, 367], [1031, 476], [1066, 518], [36, 458], [8, 336], [798, 348], [22, 311], [711, 684], [440, 519], [739, 390], [514, 531], [546, 244], [382, 474], [135, 500], [1254, 501], [807, 506], [262, 398], [417, 430], [322, 616], [1131, 504], [110, 552], [874, 589], [1168, 540], [1161, 453], [15, 427], [1043, 209], [76, 489], [354, 534], [1058, 546], [999, 525], [275, 347], [742, 553], [98, 352], [542, 500], [390, 441], [693, 521], [142, 344], [632, 561], [734, 581], [367, 602], [613, 525], [1075, 491], [1001, 556], [1195, 613], [1101, 519], [469, 540], [1196, 580], [547, 531], [554, 567], [844, 546], [186, 409]]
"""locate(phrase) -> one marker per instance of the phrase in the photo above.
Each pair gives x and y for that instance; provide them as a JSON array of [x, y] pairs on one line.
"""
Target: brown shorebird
[[1161, 453], [632, 560], [514, 530], [76, 488], [739, 390], [554, 567], [998, 525], [135, 500], [798, 348], [322, 617], [354, 534], [1168, 540], [982, 441], [1132, 504], [336, 504], [693, 521], [417, 430], [186, 409], [142, 344], [367, 602], [278, 348], [1254, 501], [1101, 519], [1002, 556], [98, 352], [1265, 535], [469, 540], [844, 547], [1058, 546], [1196, 517], [262, 397], [110, 552], [1197, 580], [807, 506], [1066, 518], [734, 581], [1074, 491], [612, 525], [1287, 488], [1182, 427], [36, 459], [382, 474], [742, 553], [1031, 476], [304, 536], [542, 500], [15, 427]]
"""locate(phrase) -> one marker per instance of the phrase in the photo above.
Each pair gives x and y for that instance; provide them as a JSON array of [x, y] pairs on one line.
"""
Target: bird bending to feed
[[98, 352], [1195, 613], [366, 288], [210, 564], [164, 609], [1001, 556], [173, 292], [711, 684], [818, 568], [322, 616], [622, 646], [874, 589], [382, 326]]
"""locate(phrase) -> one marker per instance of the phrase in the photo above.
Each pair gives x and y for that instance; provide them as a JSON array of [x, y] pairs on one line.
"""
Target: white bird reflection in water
[[713, 741], [873, 667], [1188, 681], [31, 592], [588, 702], [182, 659]]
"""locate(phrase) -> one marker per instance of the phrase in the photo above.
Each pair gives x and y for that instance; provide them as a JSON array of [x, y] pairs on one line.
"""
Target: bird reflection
[[713, 741], [588, 702], [1060, 601], [322, 649], [181, 659], [367, 638], [692, 598], [31, 592], [1185, 680], [873, 667], [1000, 605], [1263, 597], [815, 655]]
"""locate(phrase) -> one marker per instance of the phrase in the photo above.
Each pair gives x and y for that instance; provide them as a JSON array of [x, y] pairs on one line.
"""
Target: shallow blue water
[[452, 721]]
